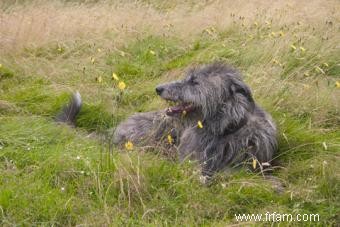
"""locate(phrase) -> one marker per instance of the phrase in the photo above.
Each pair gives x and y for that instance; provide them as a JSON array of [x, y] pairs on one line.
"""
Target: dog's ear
[[238, 87], [232, 113]]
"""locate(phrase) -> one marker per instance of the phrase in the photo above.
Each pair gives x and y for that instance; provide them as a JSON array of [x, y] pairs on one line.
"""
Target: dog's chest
[[192, 143]]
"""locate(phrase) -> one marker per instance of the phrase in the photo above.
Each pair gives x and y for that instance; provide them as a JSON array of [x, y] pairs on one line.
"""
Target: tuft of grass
[[142, 57], [95, 117], [5, 73]]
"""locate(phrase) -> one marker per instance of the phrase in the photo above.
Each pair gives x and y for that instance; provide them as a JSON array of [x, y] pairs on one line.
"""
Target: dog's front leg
[[213, 158], [139, 128]]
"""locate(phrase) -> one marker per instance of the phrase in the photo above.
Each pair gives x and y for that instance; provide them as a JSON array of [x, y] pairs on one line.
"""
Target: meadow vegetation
[[52, 174]]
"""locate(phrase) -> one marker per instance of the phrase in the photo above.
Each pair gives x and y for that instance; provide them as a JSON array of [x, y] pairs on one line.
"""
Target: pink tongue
[[178, 109], [174, 110]]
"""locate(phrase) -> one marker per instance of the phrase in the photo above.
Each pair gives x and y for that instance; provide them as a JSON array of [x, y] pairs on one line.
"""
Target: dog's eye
[[192, 81]]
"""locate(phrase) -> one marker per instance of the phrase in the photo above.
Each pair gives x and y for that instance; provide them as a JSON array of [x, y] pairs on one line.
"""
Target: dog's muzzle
[[180, 108]]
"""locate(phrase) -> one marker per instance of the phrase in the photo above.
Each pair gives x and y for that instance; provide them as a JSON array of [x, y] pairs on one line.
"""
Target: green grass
[[52, 174]]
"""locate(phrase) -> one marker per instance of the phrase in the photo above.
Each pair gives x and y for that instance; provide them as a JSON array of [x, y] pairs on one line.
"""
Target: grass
[[56, 175]]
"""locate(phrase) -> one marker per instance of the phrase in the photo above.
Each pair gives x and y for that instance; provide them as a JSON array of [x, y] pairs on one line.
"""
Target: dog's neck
[[230, 116], [233, 129]]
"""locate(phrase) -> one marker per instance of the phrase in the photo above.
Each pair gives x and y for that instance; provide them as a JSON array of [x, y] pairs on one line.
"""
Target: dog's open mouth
[[179, 108]]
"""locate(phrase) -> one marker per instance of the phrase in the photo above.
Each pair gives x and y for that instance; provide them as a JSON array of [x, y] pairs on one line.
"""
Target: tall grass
[[51, 174]]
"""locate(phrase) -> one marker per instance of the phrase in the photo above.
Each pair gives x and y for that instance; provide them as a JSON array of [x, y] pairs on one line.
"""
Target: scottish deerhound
[[215, 120]]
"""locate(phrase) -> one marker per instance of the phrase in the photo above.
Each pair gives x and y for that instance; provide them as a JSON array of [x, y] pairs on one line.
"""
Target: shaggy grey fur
[[235, 129]]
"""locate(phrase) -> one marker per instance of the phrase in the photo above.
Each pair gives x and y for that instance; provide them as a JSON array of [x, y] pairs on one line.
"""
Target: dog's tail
[[70, 111]]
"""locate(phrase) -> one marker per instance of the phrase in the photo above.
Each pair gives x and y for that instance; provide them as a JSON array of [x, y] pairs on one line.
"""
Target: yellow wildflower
[[121, 85], [199, 124], [326, 64], [122, 53], [129, 145], [99, 50], [281, 33], [273, 34], [152, 52], [114, 76], [337, 84], [293, 47], [254, 163], [302, 49], [99, 79], [170, 139], [0, 65], [59, 49]]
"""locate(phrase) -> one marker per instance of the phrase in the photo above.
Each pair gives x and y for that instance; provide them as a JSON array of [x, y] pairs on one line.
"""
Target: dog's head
[[213, 91]]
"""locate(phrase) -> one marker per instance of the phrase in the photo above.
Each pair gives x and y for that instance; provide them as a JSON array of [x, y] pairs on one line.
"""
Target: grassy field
[[50, 174]]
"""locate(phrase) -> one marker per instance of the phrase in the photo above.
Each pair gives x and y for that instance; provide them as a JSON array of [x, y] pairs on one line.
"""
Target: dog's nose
[[159, 90]]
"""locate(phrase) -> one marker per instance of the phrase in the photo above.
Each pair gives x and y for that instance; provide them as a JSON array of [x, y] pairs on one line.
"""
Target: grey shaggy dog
[[235, 129]]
